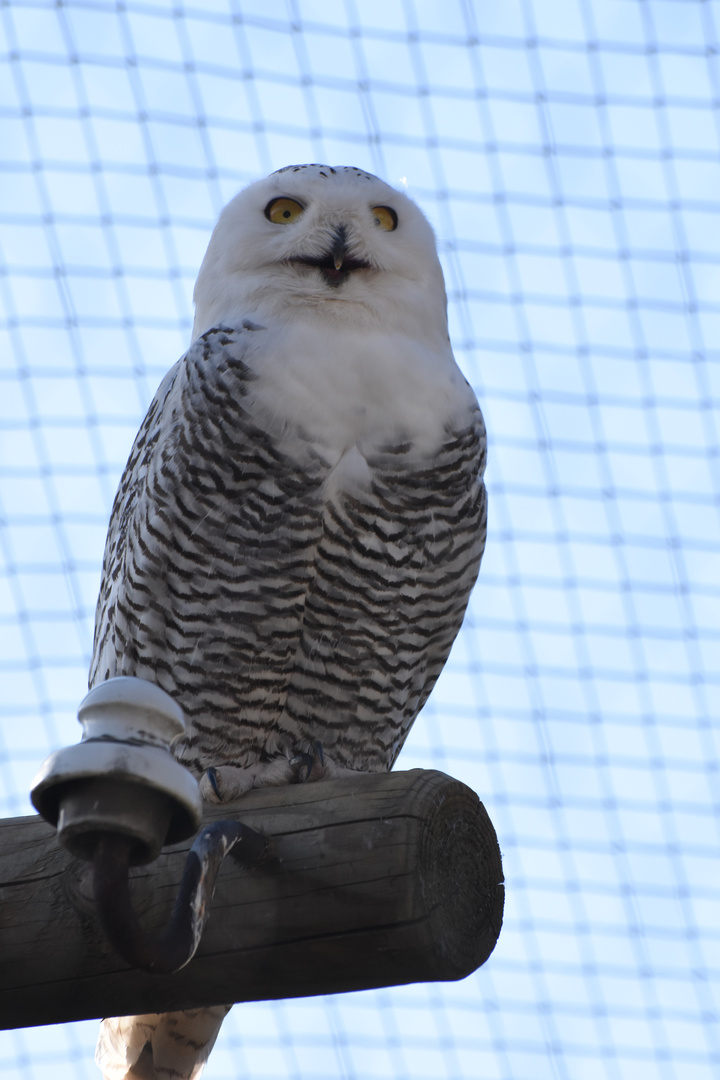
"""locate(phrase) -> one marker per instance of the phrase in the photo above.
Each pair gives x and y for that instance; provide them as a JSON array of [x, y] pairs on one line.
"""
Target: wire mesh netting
[[567, 154]]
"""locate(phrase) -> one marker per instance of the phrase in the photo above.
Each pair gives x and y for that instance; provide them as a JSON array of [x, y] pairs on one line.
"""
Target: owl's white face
[[319, 242]]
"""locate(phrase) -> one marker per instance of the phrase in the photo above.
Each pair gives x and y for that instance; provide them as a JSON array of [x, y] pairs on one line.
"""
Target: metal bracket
[[177, 944], [118, 797]]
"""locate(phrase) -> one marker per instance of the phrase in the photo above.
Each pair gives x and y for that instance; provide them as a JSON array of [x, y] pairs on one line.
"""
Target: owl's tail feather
[[158, 1046]]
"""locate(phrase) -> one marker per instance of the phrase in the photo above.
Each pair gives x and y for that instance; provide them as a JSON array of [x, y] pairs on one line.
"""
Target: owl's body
[[302, 517]]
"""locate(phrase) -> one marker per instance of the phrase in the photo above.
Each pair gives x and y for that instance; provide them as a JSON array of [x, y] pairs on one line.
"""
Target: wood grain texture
[[381, 880]]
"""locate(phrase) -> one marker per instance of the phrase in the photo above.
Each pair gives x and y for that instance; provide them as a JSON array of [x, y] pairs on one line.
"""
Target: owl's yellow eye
[[283, 211], [385, 217]]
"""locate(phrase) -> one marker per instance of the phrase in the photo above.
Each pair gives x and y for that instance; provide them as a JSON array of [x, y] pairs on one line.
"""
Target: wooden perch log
[[385, 879]]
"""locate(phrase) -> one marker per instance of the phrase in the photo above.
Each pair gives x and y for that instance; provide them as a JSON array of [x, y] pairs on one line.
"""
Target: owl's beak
[[337, 264], [339, 247]]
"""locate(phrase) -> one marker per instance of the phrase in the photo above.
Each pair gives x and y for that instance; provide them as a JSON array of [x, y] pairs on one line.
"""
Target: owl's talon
[[314, 762], [303, 759], [212, 778]]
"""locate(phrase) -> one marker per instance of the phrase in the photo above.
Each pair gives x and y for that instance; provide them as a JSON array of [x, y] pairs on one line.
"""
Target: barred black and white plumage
[[302, 517]]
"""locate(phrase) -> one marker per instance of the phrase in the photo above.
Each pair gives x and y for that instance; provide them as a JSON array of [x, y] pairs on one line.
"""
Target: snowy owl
[[302, 516]]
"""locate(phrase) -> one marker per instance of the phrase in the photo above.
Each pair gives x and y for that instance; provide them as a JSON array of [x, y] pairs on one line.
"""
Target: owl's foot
[[309, 765], [225, 783], [313, 764]]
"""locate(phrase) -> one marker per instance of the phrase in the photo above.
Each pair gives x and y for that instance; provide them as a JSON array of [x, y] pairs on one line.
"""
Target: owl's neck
[[378, 303]]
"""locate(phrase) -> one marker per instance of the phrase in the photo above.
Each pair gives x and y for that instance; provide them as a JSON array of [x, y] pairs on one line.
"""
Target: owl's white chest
[[359, 389]]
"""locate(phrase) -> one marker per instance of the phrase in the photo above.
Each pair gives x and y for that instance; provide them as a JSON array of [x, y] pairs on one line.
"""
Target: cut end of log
[[461, 878]]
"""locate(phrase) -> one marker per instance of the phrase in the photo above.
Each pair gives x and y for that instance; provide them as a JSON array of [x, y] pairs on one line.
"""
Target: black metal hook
[[177, 944]]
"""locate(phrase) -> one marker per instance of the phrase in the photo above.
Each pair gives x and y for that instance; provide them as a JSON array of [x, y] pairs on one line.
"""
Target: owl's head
[[322, 242]]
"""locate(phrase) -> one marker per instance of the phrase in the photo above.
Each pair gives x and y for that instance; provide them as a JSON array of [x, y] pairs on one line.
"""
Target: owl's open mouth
[[334, 275]]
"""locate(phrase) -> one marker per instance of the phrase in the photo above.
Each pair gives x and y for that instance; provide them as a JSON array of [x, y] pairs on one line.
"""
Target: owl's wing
[[128, 501], [394, 570], [209, 551]]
